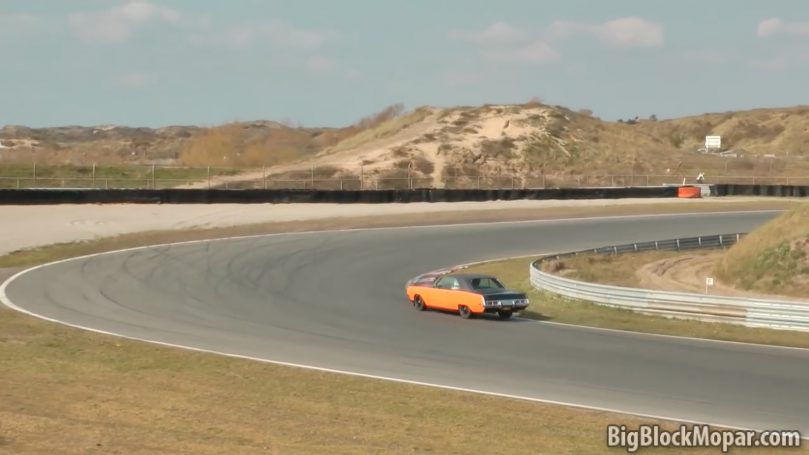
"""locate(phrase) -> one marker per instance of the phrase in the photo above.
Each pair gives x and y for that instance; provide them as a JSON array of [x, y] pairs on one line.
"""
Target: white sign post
[[708, 282], [713, 142]]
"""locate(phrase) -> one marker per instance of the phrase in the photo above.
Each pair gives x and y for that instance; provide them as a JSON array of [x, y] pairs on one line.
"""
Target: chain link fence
[[160, 177]]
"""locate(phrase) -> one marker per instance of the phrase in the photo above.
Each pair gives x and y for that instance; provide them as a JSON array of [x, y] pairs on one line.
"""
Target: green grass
[[552, 307], [133, 176]]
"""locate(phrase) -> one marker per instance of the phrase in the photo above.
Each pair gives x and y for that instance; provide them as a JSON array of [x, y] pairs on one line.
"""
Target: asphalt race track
[[336, 300]]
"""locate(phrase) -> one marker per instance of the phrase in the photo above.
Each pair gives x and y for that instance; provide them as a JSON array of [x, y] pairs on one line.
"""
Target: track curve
[[336, 300]]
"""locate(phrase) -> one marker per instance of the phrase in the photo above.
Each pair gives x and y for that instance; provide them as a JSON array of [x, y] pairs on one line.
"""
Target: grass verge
[[773, 258], [549, 306], [618, 270], [67, 391], [64, 390]]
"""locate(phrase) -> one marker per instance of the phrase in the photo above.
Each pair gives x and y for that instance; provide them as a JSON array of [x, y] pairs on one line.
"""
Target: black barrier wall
[[217, 196], [732, 189]]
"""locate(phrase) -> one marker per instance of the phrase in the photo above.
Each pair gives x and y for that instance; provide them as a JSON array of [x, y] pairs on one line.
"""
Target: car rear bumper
[[494, 307]]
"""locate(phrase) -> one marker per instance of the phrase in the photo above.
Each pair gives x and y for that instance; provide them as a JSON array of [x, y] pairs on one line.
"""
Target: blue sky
[[329, 63]]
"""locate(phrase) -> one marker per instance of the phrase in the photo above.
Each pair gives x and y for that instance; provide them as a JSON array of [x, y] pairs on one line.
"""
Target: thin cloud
[[502, 42], [275, 34], [497, 33], [536, 52], [18, 23], [777, 26], [319, 64], [18, 20], [775, 63], [134, 80], [119, 24], [626, 32]]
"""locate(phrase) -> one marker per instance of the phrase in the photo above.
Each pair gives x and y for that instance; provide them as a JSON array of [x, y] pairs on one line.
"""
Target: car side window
[[448, 282], [486, 283]]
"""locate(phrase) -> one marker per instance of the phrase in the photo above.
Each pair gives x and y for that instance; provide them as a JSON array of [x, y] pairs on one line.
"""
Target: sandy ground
[[687, 273], [24, 227]]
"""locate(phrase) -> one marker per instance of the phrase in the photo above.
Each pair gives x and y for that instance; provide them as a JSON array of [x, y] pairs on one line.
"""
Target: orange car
[[468, 294]]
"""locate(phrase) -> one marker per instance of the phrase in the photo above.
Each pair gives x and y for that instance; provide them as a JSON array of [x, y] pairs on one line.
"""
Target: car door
[[444, 293]]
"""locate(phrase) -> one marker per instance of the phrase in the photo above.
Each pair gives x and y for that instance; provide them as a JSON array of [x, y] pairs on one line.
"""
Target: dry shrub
[[217, 146], [389, 113], [748, 129], [423, 165], [242, 145], [503, 148]]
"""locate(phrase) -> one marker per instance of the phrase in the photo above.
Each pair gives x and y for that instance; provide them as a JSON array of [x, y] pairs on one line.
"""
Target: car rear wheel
[[464, 311], [504, 314], [418, 302]]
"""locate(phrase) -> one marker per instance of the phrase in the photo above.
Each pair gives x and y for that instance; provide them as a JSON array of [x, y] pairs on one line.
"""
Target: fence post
[[362, 176], [153, 186], [478, 181], [543, 180], [94, 175], [312, 177], [263, 176], [106, 184], [341, 184], [18, 183], [512, 182], [35, 174], [612, 179], [209, 177]]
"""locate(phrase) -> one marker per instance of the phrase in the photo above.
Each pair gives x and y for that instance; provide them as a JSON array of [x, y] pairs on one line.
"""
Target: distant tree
[[653, 117], [534, 102], [587, 112]]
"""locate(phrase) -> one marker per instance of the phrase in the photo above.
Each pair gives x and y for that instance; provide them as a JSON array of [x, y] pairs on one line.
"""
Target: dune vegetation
[[773, 258]]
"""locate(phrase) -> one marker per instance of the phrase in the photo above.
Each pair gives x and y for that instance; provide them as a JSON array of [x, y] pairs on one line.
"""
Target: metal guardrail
[[776, 314]]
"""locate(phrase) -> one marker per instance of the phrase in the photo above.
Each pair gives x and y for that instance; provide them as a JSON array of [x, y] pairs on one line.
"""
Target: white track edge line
[[7, 302], [11, 305]]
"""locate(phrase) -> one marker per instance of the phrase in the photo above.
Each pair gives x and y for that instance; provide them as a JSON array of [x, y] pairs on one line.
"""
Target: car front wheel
[[464, 311], [418, 302]]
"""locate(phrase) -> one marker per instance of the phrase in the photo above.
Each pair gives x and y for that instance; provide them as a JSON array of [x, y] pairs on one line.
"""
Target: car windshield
[[485, 283]]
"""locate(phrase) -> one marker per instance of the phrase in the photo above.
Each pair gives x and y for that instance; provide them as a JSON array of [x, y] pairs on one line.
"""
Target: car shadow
[[515, 318]]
